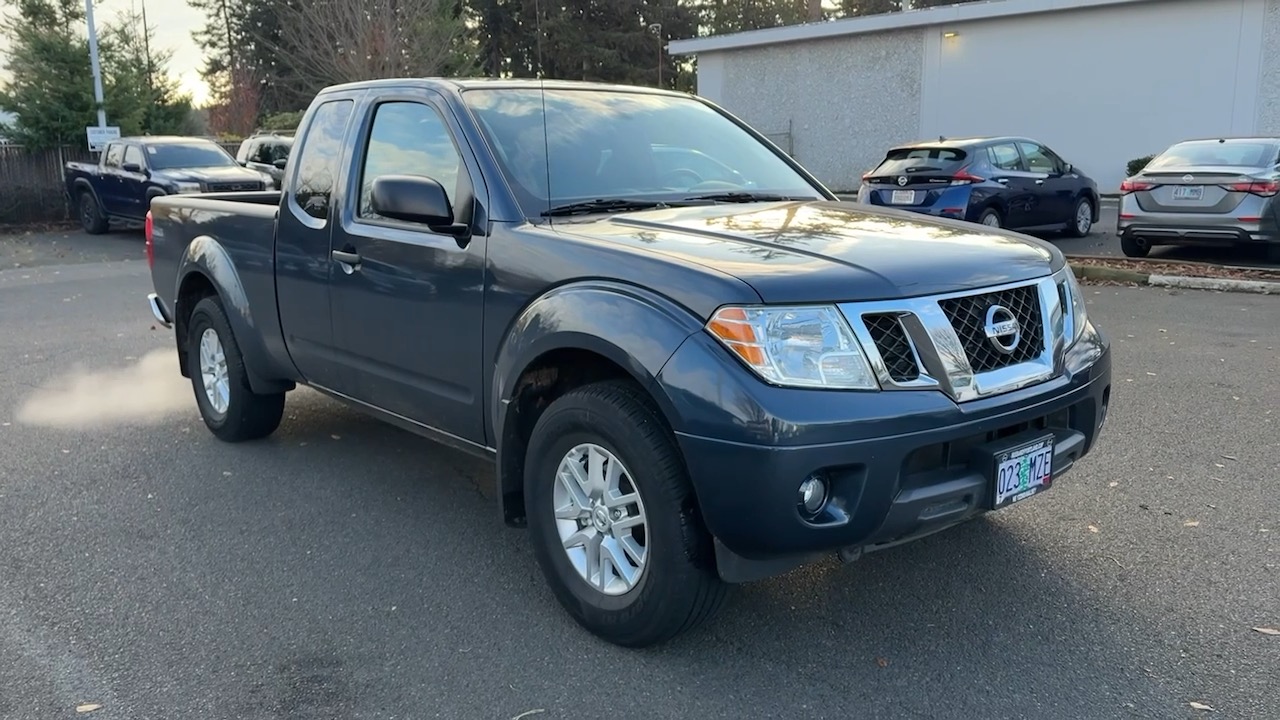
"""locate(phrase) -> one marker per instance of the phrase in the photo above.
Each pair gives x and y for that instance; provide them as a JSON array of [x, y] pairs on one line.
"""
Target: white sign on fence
[[100, 136]]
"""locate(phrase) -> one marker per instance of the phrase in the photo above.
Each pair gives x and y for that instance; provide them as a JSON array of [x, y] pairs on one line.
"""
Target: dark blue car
[[1009, 182]]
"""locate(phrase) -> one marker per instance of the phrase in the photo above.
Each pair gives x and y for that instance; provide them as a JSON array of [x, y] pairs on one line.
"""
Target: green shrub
[[1137, 164]]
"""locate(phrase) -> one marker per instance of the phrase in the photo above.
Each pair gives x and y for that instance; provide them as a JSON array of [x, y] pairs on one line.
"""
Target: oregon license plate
[[904, 197], [1022, 471]]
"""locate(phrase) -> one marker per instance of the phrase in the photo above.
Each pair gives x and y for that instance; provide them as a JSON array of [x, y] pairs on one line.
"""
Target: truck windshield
[[170, 156], [620, 145]]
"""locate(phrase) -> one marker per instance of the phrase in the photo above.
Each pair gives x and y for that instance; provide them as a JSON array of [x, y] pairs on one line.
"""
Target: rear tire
[[1134, 247], [991, 218], [231, 411], [1080, 224], [663, 582], [92, 219]]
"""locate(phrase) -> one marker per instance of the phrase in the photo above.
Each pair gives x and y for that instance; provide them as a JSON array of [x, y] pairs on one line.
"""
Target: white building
[[1099, 81]]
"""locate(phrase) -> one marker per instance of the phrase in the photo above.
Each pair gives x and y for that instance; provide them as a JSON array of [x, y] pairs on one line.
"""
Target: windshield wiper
[[602, 205], [742, 197]]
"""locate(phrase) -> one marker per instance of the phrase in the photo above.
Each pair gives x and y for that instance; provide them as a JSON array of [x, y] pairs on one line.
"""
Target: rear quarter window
[[318, 163]]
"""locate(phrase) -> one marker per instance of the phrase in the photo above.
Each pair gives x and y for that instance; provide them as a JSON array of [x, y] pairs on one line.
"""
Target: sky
[[173, 22]]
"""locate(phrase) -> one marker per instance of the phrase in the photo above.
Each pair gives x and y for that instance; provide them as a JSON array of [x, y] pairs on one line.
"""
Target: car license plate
[[904, 197], [1022, 471], [1188, 192]]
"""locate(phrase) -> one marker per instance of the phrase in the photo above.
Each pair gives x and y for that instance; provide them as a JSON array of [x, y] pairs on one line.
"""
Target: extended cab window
[[408, 138], [318, 162]]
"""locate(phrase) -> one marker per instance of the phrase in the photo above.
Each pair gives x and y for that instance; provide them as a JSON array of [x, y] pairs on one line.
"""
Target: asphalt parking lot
[[345, 569]]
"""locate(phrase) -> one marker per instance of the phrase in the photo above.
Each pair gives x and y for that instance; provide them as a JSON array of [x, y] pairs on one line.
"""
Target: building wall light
[[950, 34]]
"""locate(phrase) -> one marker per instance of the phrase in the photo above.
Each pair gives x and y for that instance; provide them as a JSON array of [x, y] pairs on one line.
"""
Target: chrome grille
[[895, 349], [968, 316]]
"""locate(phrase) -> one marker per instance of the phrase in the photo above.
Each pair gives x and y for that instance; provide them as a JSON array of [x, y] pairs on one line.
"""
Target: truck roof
[[454, 84]]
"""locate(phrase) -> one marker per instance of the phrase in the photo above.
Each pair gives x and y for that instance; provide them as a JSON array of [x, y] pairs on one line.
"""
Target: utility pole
[[656, 29], [93, 61]]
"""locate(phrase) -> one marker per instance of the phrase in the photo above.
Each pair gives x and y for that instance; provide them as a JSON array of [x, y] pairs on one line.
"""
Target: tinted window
[[115, 155], [166, 156], [1038, 158], [1212, 152], [408, 138], [318, 163], [268, 151], [133, 155], [599, 143], [901, 161], [1005, 157]]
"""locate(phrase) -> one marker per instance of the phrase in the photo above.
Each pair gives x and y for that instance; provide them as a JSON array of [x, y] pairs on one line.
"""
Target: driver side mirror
[[131, 167], [1067, 168], [281, 163], [416, 199]]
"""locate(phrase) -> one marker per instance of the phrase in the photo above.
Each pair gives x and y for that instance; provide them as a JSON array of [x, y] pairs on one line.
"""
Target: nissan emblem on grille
[[902, 181], [1002, 329]]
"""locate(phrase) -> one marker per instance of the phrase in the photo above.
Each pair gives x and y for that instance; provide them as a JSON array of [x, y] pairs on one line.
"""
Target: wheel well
[[548, 377], [195, 287]]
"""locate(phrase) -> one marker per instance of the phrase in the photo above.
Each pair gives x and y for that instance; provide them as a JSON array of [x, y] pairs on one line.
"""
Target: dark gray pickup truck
[[692, 364]]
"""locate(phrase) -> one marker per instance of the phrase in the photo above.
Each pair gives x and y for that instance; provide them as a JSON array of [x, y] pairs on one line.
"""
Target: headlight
[[1073, 305], [185, 188], [808, 346]]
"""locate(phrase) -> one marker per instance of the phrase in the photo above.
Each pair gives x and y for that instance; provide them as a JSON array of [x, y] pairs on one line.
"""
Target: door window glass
[[318, 163], [1005, 157], [1038, 158], [408, 138], [133, 155], [115, 153]]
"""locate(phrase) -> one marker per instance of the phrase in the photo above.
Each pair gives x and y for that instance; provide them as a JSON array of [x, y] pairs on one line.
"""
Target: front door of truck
[[408, 301]]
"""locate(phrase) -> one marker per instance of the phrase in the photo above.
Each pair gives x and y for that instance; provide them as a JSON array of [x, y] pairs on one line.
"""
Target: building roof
[[950, 14]]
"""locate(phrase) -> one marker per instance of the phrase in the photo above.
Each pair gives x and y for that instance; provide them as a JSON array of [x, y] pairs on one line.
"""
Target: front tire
[[1081, 221], [613, 518], [231, 411]]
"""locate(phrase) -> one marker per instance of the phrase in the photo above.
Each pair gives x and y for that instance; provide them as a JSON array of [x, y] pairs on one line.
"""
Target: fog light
[[813, 494]]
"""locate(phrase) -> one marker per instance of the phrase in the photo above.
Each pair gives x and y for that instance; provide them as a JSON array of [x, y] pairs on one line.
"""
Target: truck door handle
[[349, 260], [1039, 182]]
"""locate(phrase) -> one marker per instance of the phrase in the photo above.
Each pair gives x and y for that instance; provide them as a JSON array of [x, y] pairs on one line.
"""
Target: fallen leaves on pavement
[[1267, 630], [1200, 706]]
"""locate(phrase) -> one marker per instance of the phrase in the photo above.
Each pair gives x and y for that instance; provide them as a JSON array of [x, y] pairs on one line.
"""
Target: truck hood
[[231, 173], [821, 251]]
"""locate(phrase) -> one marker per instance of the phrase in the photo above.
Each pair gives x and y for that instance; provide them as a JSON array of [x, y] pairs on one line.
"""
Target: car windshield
[[1211, 152], [620, 145], [170, 156]]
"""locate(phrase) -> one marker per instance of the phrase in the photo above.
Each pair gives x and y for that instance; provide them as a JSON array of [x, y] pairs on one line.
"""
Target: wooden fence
[[32, 185]]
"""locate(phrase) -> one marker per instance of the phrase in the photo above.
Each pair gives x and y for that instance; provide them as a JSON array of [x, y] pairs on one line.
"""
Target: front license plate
[[1188, 192], [904, 197], [1022, 471]]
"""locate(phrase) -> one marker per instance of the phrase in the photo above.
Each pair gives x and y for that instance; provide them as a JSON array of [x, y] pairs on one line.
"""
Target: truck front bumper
[[915, 463]]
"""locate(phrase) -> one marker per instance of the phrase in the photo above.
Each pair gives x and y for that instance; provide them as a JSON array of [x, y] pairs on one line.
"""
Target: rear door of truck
[[407, 318], [304, 268]]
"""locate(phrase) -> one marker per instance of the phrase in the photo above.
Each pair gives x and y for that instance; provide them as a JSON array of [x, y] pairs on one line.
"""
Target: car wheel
[[613, 518], [1081, 221], [990, 217], [231, 410], [91, 217], [1134, 247]]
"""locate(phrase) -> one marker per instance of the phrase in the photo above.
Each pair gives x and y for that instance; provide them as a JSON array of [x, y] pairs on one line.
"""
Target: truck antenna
[[542, 90]]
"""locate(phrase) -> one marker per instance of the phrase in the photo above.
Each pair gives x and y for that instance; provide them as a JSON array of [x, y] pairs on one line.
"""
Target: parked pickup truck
[[685, 383], [133, 170]]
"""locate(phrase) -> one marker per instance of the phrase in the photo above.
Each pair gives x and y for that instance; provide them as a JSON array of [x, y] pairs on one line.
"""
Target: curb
[[1093, 272]]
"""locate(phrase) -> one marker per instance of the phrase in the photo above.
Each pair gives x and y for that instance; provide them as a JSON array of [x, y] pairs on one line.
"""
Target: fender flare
[[205, 257], [82, 183], [635, 328]]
